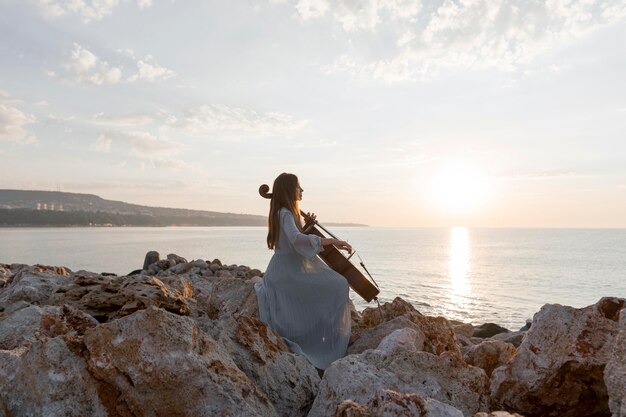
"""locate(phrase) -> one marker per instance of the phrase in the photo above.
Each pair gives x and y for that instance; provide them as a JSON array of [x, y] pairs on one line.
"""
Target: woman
[[300, 297]]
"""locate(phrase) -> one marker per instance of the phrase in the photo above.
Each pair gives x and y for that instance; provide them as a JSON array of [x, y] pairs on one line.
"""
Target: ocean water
[[474, 275]]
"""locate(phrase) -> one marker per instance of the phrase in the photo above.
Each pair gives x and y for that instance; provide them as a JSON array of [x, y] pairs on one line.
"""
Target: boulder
[[514, 338], [615, 371], [108, 298], [218, 297], [158, 363], [559, 366], [48, 378], [33, 322], [463, 329], [371, 317], [289, 381], [370, 338], [402, 339], [488, 329], [497, 414], [387, 403], [488, 355], [151, 258], [445, 378], [33, 285]]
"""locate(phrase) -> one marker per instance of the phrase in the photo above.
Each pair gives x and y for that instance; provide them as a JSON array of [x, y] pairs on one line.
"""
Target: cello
[[337, 260]]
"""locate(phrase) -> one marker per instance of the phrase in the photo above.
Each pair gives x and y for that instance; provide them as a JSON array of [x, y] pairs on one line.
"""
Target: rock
[[222, 273], [497, 414], [370, 317], [151, 257], [218, 297], [615, 371], [488, 330], [149, 359], [402, 339], [464, 329], [445, 378], [254, 273], [215, 267], [175, 259], [372, 337], [27, 324], [199, 263], [32, 285], [48, 378], [110, 298], [180, 268], [558, 368], [387, 403], [288, 380], [216, 261], [514, 338], [5, 274], [488, 355]]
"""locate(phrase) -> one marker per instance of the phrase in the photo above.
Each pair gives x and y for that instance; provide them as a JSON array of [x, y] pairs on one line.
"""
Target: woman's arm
[[307, 245]]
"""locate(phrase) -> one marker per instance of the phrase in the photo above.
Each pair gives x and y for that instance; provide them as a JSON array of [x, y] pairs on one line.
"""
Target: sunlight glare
[[458, 188]]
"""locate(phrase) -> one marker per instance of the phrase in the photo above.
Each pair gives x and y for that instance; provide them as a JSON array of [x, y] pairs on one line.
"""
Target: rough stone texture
[[615, 372], [489, 355], [387, 403], [370, 316], [497, 414], [445, 378], [402, 339], [218, 297], [33, 322], [558, 368], [5, 274], [33, 285], [108, 298], [488, 330], [47, 378], [460, 328], [371, 338], [157, 363], [514, 338], [289, 381]]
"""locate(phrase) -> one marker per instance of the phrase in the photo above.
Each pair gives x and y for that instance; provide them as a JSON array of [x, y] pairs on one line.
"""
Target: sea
[[475, 275]]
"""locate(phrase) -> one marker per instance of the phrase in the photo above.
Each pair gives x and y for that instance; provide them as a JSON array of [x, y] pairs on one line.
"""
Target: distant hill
[[55, 208]]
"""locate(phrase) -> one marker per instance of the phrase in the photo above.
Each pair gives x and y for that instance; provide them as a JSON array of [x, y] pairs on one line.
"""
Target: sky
[[394, 113]]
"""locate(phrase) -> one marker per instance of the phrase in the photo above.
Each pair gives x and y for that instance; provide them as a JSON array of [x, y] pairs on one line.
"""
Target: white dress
[[303, 299]]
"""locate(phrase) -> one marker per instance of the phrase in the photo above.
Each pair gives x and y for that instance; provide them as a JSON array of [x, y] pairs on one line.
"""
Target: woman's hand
[[343, 245], [312, 216]]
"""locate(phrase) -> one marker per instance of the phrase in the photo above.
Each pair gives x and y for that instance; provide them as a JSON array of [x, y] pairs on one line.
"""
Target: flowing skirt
[[307, 303]]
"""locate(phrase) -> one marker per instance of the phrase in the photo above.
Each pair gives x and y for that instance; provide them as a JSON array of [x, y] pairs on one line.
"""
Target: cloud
[[87, 67], [12, 125], [141, 144], [228, 122], [150, 71], [359, 15], [86, 10], [450, 34]]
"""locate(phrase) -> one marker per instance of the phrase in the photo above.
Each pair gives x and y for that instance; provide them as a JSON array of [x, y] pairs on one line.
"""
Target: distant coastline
[[25, 208]]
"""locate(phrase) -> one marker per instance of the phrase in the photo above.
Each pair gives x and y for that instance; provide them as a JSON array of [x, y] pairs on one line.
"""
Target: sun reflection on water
[[459, 255]]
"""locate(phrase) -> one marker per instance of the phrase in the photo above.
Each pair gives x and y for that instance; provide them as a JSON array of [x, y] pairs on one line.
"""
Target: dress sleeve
[[306, 245]]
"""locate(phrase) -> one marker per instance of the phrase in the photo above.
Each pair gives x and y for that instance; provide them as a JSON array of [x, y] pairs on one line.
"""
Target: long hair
[[284, 192]]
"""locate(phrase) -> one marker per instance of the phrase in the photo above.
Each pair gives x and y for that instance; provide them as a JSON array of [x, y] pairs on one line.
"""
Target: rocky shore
[[183, 338]]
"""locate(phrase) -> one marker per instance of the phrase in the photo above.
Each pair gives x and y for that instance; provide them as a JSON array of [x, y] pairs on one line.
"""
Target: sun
[[458, 188]]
